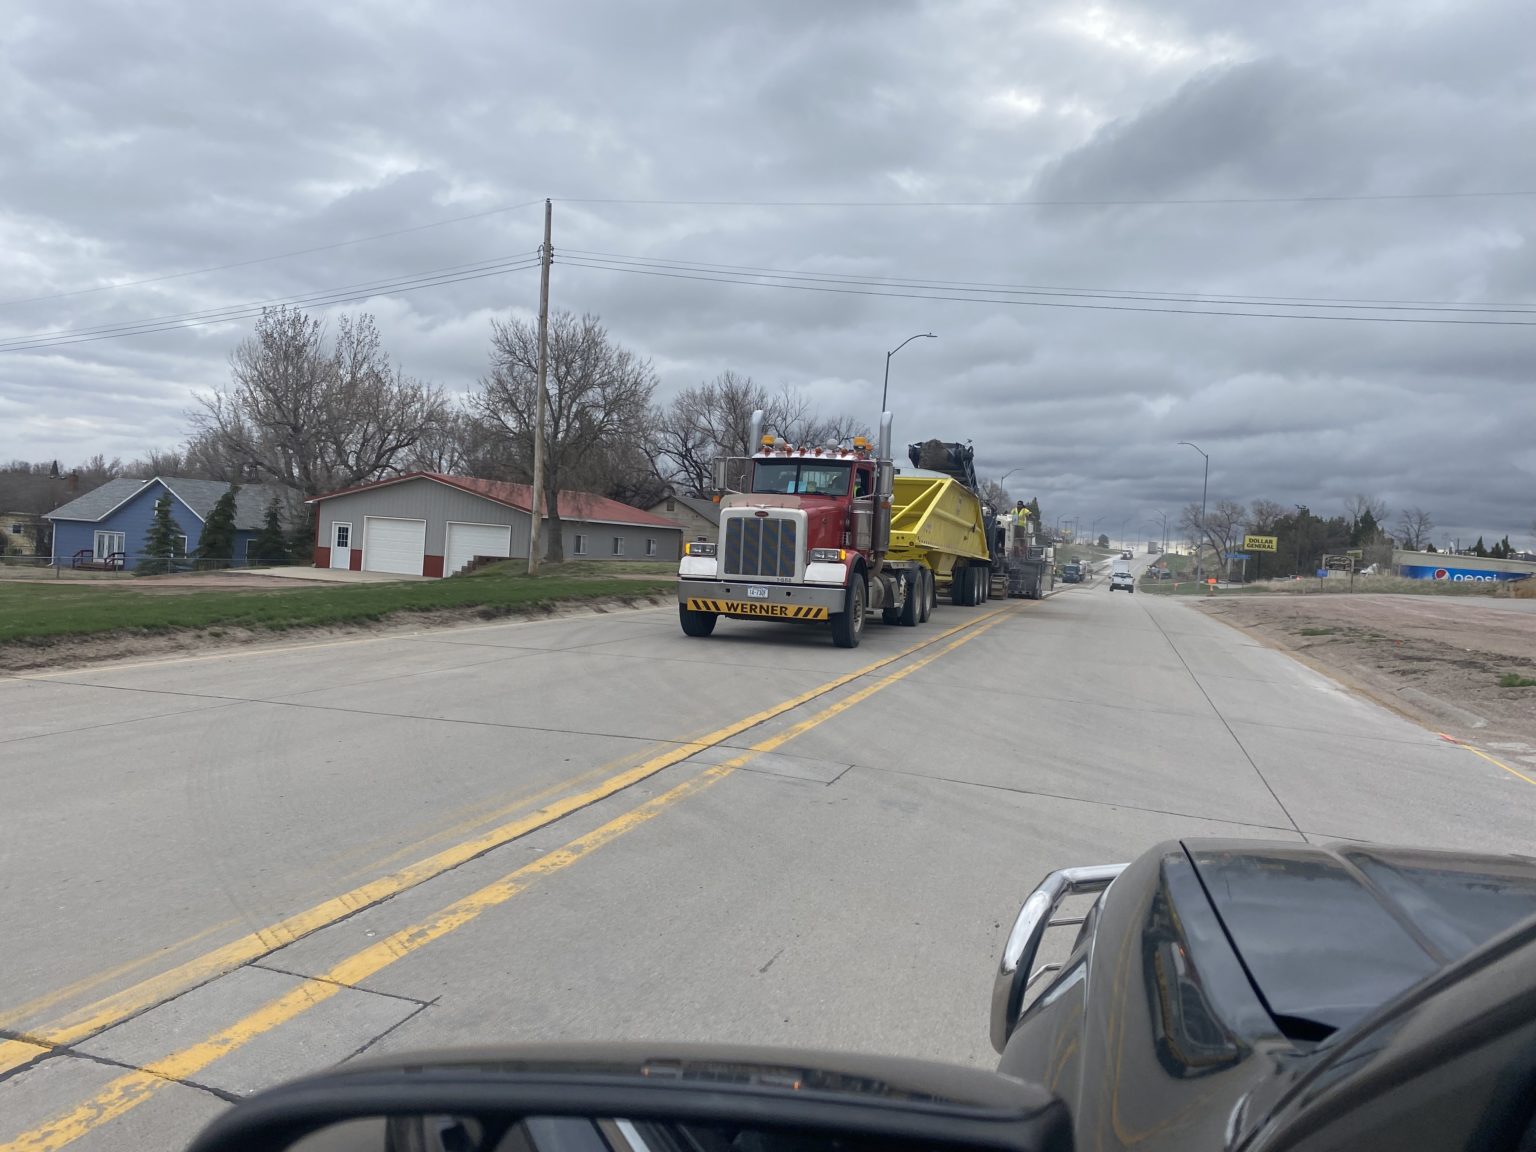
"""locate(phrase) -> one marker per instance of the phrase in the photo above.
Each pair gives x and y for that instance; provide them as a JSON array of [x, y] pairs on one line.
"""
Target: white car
[[1122, 580]]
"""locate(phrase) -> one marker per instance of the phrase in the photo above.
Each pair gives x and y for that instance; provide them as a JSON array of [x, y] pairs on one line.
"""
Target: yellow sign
[[1260, 543], [747, 608]]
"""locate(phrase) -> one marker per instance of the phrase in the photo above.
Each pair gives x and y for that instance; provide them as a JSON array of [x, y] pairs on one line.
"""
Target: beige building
[[699, 516]]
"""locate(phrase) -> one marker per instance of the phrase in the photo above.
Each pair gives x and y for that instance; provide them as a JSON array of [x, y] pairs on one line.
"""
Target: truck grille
[[761, 546]]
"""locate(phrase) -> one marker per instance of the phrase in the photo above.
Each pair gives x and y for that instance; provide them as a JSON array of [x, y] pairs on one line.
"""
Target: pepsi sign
[[1430, 572]]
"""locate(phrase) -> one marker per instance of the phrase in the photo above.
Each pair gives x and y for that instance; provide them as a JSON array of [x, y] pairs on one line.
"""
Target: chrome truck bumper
[[1016, 971], [760, 601]]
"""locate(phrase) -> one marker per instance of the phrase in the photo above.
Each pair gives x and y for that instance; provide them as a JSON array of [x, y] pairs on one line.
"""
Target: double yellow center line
[[130, 1089]]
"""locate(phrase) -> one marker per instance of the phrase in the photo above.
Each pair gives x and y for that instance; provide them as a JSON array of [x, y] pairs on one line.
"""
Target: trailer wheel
[[927, 593], [696, 623], [960, 587], [912, 609], [848, 625], [983, 585]]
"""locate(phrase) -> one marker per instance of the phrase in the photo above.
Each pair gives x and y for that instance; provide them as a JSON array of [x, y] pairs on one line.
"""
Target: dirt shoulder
[[1435, 659]]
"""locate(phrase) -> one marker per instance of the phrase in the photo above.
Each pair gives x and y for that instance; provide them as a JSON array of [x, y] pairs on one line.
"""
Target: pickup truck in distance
[[1072, 573]]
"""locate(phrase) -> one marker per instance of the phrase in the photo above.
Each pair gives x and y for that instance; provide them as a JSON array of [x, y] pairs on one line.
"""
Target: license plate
[[757, 593]]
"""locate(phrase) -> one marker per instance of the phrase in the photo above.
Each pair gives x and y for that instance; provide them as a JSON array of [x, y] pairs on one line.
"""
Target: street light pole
[[1204, 486], [887, 386]]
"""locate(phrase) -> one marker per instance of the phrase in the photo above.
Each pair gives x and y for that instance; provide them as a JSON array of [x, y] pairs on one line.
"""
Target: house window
[[650, 546], [618, 545], [581, 544], [250, 548], [343, 536], [17, 529], [178, 546], [108, 543], [671, 505]]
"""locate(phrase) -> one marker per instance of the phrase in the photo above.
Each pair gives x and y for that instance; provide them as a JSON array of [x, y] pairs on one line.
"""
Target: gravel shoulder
[[1437, 660]]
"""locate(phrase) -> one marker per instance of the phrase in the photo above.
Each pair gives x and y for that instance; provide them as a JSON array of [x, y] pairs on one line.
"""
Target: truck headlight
[[698, 548], [828, 555]]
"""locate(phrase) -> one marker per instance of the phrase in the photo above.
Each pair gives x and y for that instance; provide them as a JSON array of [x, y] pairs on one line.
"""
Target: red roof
[[573, 505]]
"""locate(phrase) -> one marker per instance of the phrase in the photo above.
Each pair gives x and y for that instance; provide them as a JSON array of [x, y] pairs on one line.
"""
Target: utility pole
[[546, 254]]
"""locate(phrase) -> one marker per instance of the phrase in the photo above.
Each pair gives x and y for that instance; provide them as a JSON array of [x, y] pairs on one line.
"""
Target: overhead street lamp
[[1124, 524], [887, 386], [1204, 485]]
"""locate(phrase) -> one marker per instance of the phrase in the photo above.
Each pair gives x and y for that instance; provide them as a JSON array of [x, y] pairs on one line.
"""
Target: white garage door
[[394, 545], [466, 541]]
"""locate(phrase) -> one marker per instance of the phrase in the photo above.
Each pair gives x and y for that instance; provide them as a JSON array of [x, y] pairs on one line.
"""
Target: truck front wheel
[[912, 609], [848, 625], [696, 623]]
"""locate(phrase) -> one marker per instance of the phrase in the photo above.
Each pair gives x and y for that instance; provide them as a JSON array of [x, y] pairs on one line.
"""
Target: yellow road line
[[15, 1016], [133, 1088], [1498, 763], [118, 1007]]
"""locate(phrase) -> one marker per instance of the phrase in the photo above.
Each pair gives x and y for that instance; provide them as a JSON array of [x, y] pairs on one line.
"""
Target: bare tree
[[315, 418], [711, 420], [995, 494], [157, 463], [1263, 515], [1413, 529], [1223, 524], [599, 395], [1359, 505]]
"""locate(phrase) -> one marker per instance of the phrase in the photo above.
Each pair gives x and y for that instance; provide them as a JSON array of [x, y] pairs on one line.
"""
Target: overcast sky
[[143, 140]]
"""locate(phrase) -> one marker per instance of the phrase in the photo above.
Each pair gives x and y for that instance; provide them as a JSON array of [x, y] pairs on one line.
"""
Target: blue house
[[108, 526]]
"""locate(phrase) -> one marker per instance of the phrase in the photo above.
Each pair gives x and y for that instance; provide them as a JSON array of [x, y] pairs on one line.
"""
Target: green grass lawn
[[37, 612]]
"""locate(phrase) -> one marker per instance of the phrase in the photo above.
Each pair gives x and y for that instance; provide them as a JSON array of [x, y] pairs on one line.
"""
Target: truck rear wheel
[[929, 592], [696, 623], [848, 625], [912, 610]]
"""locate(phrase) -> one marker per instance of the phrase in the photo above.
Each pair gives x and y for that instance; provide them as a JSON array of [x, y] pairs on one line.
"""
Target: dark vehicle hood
[[1328, 933]]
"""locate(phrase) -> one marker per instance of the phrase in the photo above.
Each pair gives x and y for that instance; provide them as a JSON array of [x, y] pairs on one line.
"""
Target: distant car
[[1122, 580], [1126, 555]]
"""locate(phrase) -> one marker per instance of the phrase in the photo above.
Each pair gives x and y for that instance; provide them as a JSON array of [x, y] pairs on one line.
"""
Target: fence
[[85, 564]]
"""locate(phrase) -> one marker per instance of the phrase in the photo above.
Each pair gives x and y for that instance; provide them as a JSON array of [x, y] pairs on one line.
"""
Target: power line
[[571, 261], [972, 286], [383, 284], [1188, 201], [269, 259], [245, 311]]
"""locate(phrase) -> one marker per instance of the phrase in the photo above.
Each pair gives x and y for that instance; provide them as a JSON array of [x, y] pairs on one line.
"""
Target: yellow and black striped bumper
[[757, 608], [778, 601]]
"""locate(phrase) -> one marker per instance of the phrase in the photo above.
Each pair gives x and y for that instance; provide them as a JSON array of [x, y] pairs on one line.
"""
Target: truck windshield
[[800, 477]]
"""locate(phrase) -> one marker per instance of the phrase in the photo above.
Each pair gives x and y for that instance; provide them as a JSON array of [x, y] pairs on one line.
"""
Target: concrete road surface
[[217, 873]]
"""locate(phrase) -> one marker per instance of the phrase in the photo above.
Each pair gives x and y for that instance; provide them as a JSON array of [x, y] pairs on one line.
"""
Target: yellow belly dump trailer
[[937, 521]]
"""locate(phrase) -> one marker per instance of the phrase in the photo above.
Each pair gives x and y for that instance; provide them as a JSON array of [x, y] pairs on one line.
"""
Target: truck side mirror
[[729, 473]]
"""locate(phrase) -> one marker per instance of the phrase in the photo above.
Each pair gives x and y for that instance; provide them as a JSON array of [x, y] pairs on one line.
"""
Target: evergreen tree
[[301, 542], [271, 546], [217, 547], [1478, 549], [163, 541], [1366, 530]]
